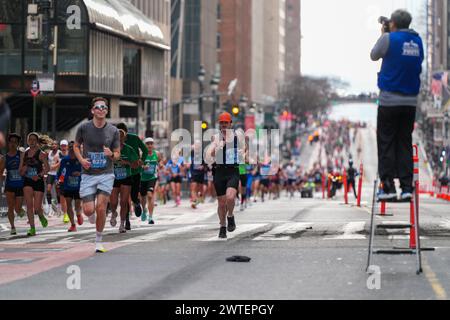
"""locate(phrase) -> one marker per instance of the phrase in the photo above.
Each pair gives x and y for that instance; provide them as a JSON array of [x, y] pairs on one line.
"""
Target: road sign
[[46, 82], [35, 88]]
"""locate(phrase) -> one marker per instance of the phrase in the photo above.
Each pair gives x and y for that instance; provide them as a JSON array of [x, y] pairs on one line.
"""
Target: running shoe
[[128, 224], [66, 219], [99, 248], [80, 219], [138, 210], [406, 196], [382, 196], [144, 215], [223, 233], [242, 207], [31, 232], [22, 213], [122, 229], [54, 207], [92, 219], [231, 224], [72, 229], [150, 220], [13, 232], [43, 221], [194, 205], [113, 220]]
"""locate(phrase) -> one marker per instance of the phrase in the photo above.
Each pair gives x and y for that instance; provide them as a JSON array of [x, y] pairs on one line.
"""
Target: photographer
[[402, 52]]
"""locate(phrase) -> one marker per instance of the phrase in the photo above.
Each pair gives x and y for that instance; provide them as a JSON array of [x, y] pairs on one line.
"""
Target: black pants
[[351, 183], [135, 188], [395, 150]]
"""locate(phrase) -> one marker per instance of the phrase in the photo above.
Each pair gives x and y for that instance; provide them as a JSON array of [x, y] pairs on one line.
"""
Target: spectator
[[399, 82]]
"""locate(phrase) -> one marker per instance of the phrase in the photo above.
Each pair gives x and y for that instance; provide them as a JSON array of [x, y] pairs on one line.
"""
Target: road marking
[[163, 234], [240, 231], [285, 229], [434, 281], [350, 232], [4, 227]]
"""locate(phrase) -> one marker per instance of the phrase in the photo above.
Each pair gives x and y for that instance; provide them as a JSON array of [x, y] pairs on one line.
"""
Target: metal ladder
[[395, 251]]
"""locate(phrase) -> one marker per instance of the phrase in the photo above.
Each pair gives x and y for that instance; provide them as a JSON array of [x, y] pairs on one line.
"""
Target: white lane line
[[163, 234], [241, 230], [350, 232], [4, 227], [286, 229]]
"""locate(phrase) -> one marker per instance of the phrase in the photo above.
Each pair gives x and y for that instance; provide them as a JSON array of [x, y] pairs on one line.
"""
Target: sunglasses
[[101, 107]]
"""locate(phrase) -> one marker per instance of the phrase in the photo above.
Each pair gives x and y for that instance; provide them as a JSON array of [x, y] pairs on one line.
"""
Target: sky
[[338, 36]]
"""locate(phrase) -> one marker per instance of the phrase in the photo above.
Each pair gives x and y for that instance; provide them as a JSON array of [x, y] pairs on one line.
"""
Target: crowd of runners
[[108, 174]]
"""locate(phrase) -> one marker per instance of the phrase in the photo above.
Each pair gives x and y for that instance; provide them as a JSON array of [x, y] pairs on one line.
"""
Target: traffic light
[[205, 125], [235, 110]]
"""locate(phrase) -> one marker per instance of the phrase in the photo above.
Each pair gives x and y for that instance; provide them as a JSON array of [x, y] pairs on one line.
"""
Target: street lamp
[[215, 81], [201, 80]]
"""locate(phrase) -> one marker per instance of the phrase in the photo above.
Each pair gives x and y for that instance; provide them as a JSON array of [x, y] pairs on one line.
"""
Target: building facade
[[194, 41], [293, 38], [100, 48]]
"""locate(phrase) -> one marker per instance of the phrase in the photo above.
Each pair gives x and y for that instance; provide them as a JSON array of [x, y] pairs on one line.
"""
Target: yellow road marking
[[434, 281]]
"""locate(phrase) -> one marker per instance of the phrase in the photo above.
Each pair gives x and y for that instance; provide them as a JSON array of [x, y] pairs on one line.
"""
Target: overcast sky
[[338, 37]]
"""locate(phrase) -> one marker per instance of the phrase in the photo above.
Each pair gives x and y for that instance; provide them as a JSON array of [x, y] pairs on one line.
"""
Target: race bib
[[98, 160], [230, 156], [72, 182], [31, 172], [14, 176], [265, 171], [120, 173], [151, 169]]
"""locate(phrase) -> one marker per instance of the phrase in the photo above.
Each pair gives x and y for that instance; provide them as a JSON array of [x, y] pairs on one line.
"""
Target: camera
[[385, 22]]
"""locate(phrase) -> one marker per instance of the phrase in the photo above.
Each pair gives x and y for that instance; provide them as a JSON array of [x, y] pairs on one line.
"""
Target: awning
[[122, 18]]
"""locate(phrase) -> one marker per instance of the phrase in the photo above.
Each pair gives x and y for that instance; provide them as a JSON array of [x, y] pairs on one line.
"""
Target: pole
[[45, 5], [200, 101], [360, 185], [213, 114], [34, 114]]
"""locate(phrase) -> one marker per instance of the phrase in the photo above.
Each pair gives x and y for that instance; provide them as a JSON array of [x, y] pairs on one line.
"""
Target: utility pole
[[45, 6]]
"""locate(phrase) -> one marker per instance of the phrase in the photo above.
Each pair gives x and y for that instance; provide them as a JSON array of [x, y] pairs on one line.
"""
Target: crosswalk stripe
[[285, 229], [163, 234], [241, 230], [350, 232]]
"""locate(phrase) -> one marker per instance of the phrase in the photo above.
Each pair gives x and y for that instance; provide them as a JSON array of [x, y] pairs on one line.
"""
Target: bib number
[[14, 176], [98, 160], [120, 173], [230, 156], [31, 172], [151, 169], [72, 182]]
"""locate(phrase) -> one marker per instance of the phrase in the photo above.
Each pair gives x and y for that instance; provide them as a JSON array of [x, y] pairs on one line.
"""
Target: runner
[[101, 146], [123, 181], [33, 167], [14, 181], [225, 150], [69, 174], [163, 185], [53, 162], [149, 180], [136, 143], [62, 205], [291, 175], [197, 167], [265, 179], [175, 170]]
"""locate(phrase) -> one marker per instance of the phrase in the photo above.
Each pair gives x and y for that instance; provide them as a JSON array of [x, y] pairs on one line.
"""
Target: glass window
[[72, 51], [131, 71], [10, 49], [11, 11]]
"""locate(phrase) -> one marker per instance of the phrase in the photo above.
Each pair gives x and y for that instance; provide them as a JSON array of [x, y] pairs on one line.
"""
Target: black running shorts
[[224, 178]]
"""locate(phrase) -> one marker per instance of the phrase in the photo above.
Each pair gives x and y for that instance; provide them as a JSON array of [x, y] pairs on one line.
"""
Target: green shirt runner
[[136, 143], [151, 161], [127, 153]]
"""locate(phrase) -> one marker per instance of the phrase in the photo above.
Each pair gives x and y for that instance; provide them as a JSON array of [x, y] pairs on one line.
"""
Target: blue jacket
[[402, 64]]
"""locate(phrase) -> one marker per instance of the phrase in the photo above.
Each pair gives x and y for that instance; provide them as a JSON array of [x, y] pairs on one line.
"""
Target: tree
[[309, 94]]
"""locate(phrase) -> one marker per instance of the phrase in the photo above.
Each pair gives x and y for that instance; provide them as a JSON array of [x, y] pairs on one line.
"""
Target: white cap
[[64, 143], [147, 140]]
